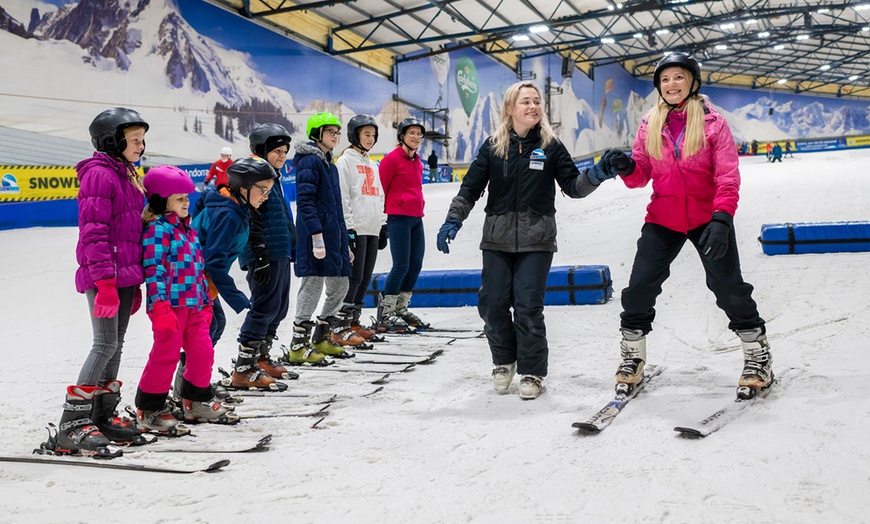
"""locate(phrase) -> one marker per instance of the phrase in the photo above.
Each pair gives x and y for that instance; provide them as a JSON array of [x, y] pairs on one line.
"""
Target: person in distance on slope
[[218, 170], [362, 199], [519, 167], [109, 255], [223, 223], [178, 306], [686, 149], [401, 173], [323, 255]]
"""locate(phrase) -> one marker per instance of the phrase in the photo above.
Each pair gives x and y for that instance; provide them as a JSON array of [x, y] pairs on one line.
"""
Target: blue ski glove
[[714, 239], [447, 233]]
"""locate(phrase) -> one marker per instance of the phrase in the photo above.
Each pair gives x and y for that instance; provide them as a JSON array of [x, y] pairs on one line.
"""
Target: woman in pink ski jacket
[[686, 149]]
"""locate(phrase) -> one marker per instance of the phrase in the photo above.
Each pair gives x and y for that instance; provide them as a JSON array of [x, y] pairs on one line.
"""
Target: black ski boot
[[269, 366], [77, 433], [119, 430]]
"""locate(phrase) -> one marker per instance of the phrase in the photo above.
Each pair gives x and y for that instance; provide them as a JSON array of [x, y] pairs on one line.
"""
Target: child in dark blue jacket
[[223, 228]]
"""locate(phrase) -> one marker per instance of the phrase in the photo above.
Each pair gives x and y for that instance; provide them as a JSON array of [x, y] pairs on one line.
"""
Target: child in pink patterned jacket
[[179, 308]]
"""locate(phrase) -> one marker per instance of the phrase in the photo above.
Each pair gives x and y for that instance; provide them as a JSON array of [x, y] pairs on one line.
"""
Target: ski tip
[[264, 442], [691, 433], [217, 466], [586, 427]]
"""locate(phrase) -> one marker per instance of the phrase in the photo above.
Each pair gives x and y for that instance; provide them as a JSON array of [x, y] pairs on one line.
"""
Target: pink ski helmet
[[167, 180]]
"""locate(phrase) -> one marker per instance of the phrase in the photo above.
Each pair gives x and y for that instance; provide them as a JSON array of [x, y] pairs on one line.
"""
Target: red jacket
[[219, 170], [687, 191], [402, 180]]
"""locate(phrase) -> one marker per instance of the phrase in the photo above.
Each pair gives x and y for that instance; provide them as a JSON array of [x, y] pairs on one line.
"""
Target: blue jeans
[[407, 246]]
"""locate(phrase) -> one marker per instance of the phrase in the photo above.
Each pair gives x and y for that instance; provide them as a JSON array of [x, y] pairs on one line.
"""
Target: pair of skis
[[702, 428]]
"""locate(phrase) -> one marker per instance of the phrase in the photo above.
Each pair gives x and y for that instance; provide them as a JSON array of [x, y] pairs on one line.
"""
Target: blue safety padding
[[566, 285], [815, 237]]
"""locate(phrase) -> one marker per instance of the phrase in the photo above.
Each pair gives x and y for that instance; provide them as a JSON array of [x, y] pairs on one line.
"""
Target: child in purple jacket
[[179, 308], [109, 254]]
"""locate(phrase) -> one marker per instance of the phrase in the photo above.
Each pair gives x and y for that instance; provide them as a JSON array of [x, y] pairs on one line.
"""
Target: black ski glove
[[351, 239], [261, 274], [714, 239], [382, 237]]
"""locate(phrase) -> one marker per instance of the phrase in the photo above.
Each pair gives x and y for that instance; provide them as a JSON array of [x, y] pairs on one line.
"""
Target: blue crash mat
[[815, 237]]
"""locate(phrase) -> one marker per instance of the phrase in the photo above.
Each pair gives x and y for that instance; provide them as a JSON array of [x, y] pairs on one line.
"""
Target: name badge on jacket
[[536, 160]]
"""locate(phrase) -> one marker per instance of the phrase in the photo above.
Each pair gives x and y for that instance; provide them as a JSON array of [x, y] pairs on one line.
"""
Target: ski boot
[[322, 342], [120, 430], [212, 412], [411, 319], [503, 375], [388, 320], [265, 362], [757, 374], [633, 352], [344, 335], [157, 412], [247, 373], [77, 433], [354, 311], [301, 352], [531, 387]]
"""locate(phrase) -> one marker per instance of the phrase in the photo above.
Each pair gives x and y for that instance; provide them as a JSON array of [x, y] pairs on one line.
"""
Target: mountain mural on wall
[[181, 78]]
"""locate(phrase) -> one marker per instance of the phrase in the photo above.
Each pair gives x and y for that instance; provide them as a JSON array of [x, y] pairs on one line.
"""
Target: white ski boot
[[503, 375]]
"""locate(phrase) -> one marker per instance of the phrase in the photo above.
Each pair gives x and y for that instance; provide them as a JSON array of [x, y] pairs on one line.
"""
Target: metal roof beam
[[246, 8]]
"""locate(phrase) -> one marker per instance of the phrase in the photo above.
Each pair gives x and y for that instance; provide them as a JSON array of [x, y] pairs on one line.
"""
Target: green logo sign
[[466, 84]]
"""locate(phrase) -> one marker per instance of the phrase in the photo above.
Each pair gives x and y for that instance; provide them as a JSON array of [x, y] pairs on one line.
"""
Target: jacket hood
[[309, 148], [100, 160]]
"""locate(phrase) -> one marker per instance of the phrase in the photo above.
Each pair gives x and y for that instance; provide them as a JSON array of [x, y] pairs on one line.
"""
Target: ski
[[479, 332], [605, 415], [301, 398], [395, 360], [729, 412], [402, 368], [203, 447], [127, 466], [429, 354], [324, 410]]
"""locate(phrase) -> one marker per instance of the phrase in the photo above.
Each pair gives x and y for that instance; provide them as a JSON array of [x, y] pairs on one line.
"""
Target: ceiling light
[[608, 40], [854, 77], [825, 67], [721, 47], [779, 47], [662, 32], [540, 28], [781, 81], [729, 25], [861, 7], [802, 37], [751, 21], [520, 38], [610, 8], [637, 35], [763, 34], [823, 10], [865, 28]]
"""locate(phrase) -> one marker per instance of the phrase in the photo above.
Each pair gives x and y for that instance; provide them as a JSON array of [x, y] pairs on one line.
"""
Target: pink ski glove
[[137, 300], [106, 302], [162, 317]]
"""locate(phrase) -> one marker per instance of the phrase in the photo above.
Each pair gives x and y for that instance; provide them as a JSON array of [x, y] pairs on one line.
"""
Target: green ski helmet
[[316, 123]]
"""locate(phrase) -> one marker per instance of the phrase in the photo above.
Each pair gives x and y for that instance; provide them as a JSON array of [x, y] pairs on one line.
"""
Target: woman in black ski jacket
[[519, 166]]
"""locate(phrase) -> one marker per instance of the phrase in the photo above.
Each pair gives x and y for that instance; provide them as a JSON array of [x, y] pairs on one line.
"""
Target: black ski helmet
[[107, 129], [687, 62], [266, 137], [405, 124], [247, 171], [355, 124]]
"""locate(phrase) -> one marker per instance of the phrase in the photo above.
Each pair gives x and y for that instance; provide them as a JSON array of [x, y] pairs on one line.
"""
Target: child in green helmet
[[323, 257]]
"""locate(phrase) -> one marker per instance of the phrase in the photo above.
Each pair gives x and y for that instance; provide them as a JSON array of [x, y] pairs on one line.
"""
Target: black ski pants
[[364, 257], [656, 250], [515, 281]]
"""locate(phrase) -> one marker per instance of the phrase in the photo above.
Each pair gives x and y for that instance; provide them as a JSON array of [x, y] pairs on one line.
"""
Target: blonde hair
[[501, 139], [694, 139]]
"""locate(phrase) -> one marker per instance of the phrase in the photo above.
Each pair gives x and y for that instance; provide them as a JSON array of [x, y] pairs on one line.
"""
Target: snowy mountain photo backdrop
[[203, 77]]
